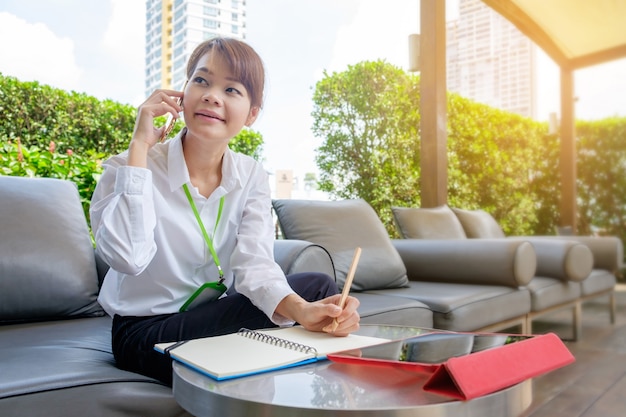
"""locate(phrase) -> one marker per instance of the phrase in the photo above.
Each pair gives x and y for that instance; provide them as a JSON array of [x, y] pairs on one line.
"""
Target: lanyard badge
[[209, 291]]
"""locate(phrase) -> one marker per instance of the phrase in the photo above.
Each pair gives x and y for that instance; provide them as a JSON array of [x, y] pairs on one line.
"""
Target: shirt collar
[[176, 166], [179, 174]]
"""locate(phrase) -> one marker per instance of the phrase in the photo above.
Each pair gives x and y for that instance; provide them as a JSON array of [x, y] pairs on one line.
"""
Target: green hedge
[[368, 118], [48, 132], [33, 161], [37, 113]]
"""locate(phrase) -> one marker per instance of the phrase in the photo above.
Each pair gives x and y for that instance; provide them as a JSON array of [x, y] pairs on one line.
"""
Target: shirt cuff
[[277, 295], [132, 180]]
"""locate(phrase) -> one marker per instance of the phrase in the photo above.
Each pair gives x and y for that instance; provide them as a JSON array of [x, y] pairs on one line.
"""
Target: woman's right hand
[[146, 134]]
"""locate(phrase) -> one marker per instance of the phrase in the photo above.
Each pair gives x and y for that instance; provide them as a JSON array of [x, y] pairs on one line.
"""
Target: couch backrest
[[478, 224], [339, 227], [47, 263], [427, 223]]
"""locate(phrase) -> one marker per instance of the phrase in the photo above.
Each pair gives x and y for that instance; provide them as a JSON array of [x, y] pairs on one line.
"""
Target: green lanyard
[[208, 240]]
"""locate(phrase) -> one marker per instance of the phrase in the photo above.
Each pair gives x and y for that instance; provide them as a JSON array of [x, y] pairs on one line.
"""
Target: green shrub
[[32, 161], [48, 132], [34, 112]]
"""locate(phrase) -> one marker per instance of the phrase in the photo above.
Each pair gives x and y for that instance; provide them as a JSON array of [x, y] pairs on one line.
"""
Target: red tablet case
[[487, 371]]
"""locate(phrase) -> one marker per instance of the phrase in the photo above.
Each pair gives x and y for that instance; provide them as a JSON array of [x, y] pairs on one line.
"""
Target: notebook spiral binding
[[276, 341]]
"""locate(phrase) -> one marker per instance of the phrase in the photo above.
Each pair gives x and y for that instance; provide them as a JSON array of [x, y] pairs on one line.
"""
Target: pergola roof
[[574, 33]]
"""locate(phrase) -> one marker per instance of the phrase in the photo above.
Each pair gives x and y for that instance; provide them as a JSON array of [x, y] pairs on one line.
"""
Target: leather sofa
[[55, 339], [486, 284], [570, 270]]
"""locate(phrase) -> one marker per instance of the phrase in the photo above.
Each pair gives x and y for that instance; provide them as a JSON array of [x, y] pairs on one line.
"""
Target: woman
[[190, 216]]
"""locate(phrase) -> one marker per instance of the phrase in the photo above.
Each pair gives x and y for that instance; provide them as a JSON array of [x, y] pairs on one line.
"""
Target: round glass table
[[334, 389]]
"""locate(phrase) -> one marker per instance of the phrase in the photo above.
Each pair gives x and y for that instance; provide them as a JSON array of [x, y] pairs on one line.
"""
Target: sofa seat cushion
[[119, 399], [600, 280], [384, 309], [550, 292], [340, 227], [466, 307], [479, 224], [47, 261], [58, 354], [427, 223]]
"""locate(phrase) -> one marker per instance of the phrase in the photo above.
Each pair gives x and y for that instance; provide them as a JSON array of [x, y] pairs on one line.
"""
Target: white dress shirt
[[146, 231]]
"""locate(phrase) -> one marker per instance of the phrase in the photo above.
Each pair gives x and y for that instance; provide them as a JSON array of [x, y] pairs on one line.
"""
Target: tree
[[369, 119], [369, 124], [248, 142], [310, 181]]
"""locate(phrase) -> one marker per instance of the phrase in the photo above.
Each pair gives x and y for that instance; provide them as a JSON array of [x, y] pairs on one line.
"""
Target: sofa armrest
[[476, 261], [101, 267], [295, 256], [607, 251], [566, 260]]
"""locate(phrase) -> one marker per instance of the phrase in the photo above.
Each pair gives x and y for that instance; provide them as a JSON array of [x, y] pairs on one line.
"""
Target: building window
[[210, 23], [179, 63], [211, 11]]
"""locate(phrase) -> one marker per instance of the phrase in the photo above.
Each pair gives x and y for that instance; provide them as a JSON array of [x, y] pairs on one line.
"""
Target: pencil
[[348, 283]]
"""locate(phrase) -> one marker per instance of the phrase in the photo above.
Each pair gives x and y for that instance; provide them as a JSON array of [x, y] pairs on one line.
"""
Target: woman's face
[[216, 105]]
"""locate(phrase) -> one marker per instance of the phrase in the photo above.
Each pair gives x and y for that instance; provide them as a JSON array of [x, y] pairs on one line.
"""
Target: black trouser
[[133, 338]]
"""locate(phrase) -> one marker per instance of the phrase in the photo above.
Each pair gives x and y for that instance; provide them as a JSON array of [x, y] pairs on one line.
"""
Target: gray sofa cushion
[[549, 292], [47, 263], [478, 224], [561, 259], [393, 311], [66, 368], [428, 223], [466, 307], [599, 281], [341, 226], [500, 262]]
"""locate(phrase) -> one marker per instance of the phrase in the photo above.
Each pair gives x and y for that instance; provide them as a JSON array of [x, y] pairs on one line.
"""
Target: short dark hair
[[245, 64]]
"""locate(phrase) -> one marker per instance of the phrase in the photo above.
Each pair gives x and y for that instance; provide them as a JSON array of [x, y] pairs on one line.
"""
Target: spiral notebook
[[249, 352]]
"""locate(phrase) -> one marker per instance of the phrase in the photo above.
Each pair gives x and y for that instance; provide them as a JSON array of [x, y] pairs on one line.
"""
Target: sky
[[97, 48]]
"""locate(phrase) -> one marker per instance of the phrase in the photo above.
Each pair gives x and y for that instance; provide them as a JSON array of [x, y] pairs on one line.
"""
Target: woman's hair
[[243, 61]]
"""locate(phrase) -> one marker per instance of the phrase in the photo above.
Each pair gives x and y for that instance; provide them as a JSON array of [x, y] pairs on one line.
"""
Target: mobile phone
[[169, 123]]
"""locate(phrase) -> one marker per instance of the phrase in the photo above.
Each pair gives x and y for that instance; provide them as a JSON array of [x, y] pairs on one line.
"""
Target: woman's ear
[[254, 112]]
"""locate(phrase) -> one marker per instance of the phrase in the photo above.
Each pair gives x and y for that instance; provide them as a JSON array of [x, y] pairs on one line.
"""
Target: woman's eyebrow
[[208, 71]]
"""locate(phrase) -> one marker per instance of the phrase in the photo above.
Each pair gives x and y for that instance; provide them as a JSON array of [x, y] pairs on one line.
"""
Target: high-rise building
[[489, 60], [175, 27]]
